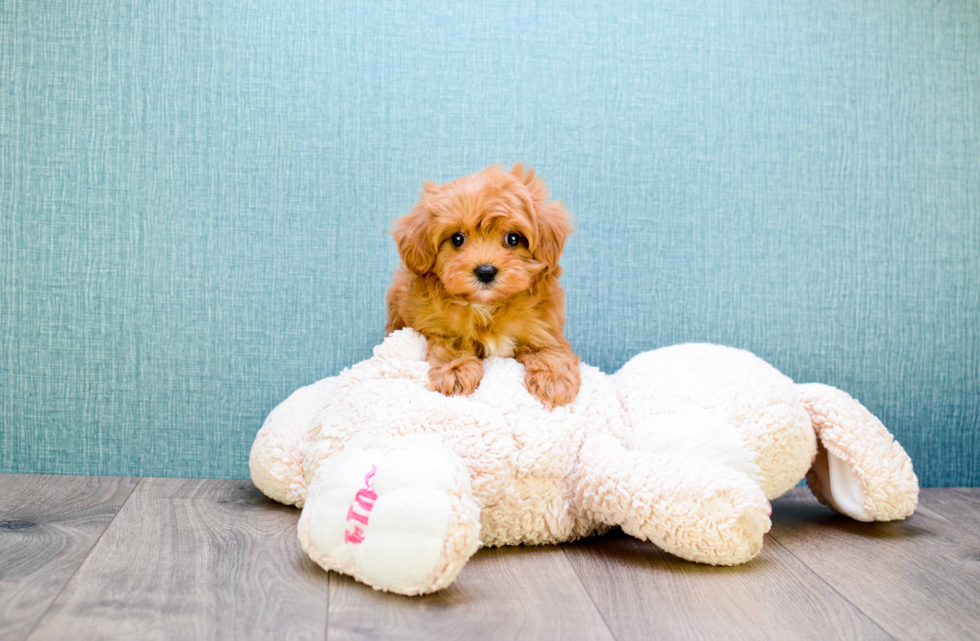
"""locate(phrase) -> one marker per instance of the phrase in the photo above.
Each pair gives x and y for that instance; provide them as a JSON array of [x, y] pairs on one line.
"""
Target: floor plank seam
[[326, 629], [88, 553], [589, 594], [833, 588]]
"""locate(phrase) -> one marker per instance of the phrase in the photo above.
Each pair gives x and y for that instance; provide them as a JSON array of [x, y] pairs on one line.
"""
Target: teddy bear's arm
[[276, 458], [698, 510]]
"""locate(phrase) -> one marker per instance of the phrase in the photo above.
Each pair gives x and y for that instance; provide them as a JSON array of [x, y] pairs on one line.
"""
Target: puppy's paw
[[555, 381], [458, 376]]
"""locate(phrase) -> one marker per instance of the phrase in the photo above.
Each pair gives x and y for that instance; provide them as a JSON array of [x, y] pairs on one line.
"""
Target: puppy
[[479, 278]]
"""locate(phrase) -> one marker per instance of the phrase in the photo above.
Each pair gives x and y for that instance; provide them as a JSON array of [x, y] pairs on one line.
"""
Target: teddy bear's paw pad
[[386, 516]]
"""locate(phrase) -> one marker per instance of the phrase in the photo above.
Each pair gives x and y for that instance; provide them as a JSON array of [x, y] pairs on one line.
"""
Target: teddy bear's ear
[[403, 344], [860, 469]]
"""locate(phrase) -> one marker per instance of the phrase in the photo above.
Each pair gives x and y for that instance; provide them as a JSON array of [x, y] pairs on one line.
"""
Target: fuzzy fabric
[[684, 447]]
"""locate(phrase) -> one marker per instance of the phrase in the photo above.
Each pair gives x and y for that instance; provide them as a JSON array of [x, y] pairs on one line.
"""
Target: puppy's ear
[[414, 240], [554, 227], [553, 223]]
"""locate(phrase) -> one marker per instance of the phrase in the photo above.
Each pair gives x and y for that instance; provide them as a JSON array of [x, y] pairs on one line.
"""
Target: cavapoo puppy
[[480, 278]]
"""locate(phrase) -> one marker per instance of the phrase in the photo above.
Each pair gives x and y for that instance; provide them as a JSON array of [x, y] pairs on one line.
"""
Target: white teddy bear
[[683, 447]]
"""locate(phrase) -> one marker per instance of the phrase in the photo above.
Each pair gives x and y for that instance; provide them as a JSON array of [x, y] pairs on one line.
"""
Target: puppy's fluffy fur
[[519, 313]]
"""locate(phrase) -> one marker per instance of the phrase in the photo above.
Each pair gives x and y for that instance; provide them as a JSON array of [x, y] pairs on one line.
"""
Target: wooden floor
[[126, 558]]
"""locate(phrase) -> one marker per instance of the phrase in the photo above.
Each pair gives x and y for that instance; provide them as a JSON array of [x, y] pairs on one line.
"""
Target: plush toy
[[683, 447]]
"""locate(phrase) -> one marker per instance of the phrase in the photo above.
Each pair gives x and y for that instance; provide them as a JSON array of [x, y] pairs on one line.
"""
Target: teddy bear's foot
[[698, 510], [740, 521], [725, 526], [402, 520], [860, 469]]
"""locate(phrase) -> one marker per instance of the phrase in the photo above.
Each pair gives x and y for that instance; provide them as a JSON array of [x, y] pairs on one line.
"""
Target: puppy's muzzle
[[485, 273]]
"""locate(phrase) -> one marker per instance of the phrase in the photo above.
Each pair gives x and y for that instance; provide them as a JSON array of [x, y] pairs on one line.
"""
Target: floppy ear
[[552, 221], [554, 226], [414, 242]]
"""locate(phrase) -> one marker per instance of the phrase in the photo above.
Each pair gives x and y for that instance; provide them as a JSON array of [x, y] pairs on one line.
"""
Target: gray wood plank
[[645, 593], [48, 524], [917, 579], [959, 506], [503, 593], [194, 559]]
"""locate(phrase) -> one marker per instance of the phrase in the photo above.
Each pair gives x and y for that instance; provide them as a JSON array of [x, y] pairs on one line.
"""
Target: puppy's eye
[[512, 239], [457, 239]]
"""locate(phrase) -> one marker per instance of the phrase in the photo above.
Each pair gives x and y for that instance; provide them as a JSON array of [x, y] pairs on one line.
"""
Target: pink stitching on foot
[[356, 537], [364, 498]]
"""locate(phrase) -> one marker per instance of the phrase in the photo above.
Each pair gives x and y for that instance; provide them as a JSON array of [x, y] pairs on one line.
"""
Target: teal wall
[[194, 198]]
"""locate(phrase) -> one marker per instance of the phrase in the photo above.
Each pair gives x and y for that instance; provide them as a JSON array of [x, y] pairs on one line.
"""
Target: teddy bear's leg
[[698, 510], [860, 469], [276, 458], [399, 516]]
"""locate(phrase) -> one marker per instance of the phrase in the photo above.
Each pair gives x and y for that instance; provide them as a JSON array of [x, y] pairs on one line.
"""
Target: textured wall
[[194, 197]]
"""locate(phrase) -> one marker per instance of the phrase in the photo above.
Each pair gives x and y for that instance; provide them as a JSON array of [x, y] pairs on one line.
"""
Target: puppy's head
[[486, 236]]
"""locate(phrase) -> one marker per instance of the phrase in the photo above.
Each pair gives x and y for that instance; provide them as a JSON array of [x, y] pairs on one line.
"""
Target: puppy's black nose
[[486, 273]]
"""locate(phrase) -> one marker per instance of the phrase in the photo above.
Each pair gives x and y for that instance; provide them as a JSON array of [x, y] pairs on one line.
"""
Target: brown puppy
[[480, 278]]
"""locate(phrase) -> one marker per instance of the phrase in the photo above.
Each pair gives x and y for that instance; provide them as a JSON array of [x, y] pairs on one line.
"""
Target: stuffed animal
[[683, 447]]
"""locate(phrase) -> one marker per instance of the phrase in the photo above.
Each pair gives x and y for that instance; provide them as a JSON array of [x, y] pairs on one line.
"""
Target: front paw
[[459, 376], [553, 386]]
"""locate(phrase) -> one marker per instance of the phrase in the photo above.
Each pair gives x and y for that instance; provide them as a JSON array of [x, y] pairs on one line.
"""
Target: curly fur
[[519, 314]]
